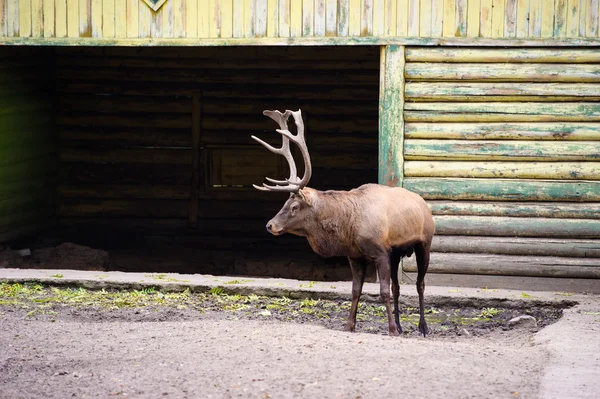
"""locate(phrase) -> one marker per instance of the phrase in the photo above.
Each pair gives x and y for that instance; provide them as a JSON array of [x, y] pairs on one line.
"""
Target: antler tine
[[301, 142]]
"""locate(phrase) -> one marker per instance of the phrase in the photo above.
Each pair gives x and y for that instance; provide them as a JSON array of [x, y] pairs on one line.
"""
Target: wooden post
[[391, 119], [195, 183]]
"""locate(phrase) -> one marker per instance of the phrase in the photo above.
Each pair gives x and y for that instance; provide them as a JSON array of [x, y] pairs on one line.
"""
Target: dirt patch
[[148, 305], [64, 256]]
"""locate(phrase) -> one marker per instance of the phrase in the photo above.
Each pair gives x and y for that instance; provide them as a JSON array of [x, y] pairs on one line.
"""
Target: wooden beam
[[561, 210], [196, 157], [391, 122]]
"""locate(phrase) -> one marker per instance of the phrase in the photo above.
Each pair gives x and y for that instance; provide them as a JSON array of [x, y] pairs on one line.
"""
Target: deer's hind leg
[[395, 257], [422, 255]]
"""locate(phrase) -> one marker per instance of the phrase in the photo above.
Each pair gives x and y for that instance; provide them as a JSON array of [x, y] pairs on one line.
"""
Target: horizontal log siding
[[239, 19], [28, 145], [125, 125], [504, 146]]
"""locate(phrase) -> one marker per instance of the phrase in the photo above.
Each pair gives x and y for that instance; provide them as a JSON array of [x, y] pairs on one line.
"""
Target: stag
[[370, 225]]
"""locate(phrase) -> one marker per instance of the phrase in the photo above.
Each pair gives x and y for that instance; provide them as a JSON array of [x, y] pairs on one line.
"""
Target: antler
[[293, 183]]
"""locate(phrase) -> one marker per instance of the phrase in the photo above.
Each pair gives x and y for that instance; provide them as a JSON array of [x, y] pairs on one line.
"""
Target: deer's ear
[[307, 196]]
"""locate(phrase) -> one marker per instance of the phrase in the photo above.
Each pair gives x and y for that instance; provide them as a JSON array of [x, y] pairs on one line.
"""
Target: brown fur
[[372, 224]]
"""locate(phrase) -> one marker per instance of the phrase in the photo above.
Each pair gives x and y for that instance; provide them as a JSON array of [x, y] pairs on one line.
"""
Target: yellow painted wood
[[353, 18], [133, 17], [48, 18], [238, 18], [144, 20], [390, 17], [343, 21], [567, 210], [191, 18], [560, 18], [449, 20], [25, 18], [523, 18], [378, 17], [284, 18], [272, 18], [413, 17], [499, 169], [12, 18], [73, 17], [178, 18], [510, 18], [583, 11], [308, 17], [464, 55], [331, 17], [591, 24], [485, 27], [497, 18], [167, 18], [477, 91], [577, 73], [320, 18], [437, 18], [572, 18], [156, 23], [402, 18], [96, 18], [501, 150], [205, 15], [461, 18], [37, 18], [296, 19], [3, 18], [60, 18], [535, 18], [425, 18], [366, 24], [214, 18], [261, 9], [227, 17], [547, 29], [570, 131], [85, 18], [108, 18], [473, 17]]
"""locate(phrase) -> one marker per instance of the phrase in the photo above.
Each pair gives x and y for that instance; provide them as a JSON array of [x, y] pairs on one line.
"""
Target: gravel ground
[[228, 346]]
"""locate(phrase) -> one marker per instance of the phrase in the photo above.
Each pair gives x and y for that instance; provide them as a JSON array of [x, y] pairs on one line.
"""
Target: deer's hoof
[[349, 328], [423, 328], [394, 332]]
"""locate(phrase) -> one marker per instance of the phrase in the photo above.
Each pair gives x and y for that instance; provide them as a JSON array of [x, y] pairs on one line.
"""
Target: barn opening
[[146, 152]]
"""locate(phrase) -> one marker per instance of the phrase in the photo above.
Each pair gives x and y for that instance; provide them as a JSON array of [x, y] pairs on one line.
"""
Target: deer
[[372, 225]]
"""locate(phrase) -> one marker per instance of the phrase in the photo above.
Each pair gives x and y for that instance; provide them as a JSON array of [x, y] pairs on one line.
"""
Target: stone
[[522, 321]]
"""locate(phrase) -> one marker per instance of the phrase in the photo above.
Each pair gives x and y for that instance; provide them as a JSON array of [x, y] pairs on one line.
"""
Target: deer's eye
[[294, 207]]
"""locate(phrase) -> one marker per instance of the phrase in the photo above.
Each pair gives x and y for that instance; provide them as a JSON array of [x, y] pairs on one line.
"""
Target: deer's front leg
[[358, 267]]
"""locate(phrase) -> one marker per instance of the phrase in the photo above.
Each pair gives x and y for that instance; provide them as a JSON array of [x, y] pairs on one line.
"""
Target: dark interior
[[146, 152]]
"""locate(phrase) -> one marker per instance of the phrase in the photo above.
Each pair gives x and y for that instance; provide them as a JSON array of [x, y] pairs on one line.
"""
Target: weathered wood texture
[[225, 19], [504, 146], [28, 145], [129, 127]]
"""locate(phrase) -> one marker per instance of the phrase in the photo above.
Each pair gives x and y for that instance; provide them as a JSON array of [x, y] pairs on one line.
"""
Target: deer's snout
[[273, 229]]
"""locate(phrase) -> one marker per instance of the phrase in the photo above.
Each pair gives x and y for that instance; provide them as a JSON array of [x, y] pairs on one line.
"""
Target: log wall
[[505, 146], [28, 145], [226, 19]]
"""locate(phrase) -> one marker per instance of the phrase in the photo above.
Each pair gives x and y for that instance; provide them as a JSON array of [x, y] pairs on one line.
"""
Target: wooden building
[[125, 124]]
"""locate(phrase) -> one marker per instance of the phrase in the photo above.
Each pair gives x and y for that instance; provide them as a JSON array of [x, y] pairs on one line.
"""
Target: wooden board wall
[[506, 144], [126, 128], [306, 18], [28, 156]]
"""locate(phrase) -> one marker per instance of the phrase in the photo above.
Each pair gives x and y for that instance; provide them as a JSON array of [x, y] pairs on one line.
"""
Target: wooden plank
[[166, 12], [118, 191], [85, 18], [516, 227], [366, 23], [492, 55], [501, 150], [560, 18], [165, 156], [330, 17], [37, 18], [226, 9], [60, 19], [12, 18], [591, 25], [485, 22], [261, 18], [343, 18], [461, 18], [425, 17], [577, 73], [354, 17], [191, 18], [503, 265], [572, 247], [535, 18], [378, 17], [437, 18], [308, 18], [572, 18], [583, 11], [503, 131], [73, 17], [295, 18], [96, 18], [284, 18], [581, 110], [196, 165], [179, 18], [48, 18], [132, 28], [497, 18], [504, 189], [562, 210], [391, 13], [88, 175], [24, 18], [20, 189], [473, 9], [320, 18], [206, 14], [459, 91], [391, 128], [522, 18], [547, 29], [449, 19], [108, 18], [3, 18], [163, 208], [402, 18], [413, 17], [156, 24], [144, 20], [512, 170], [272, 18]]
